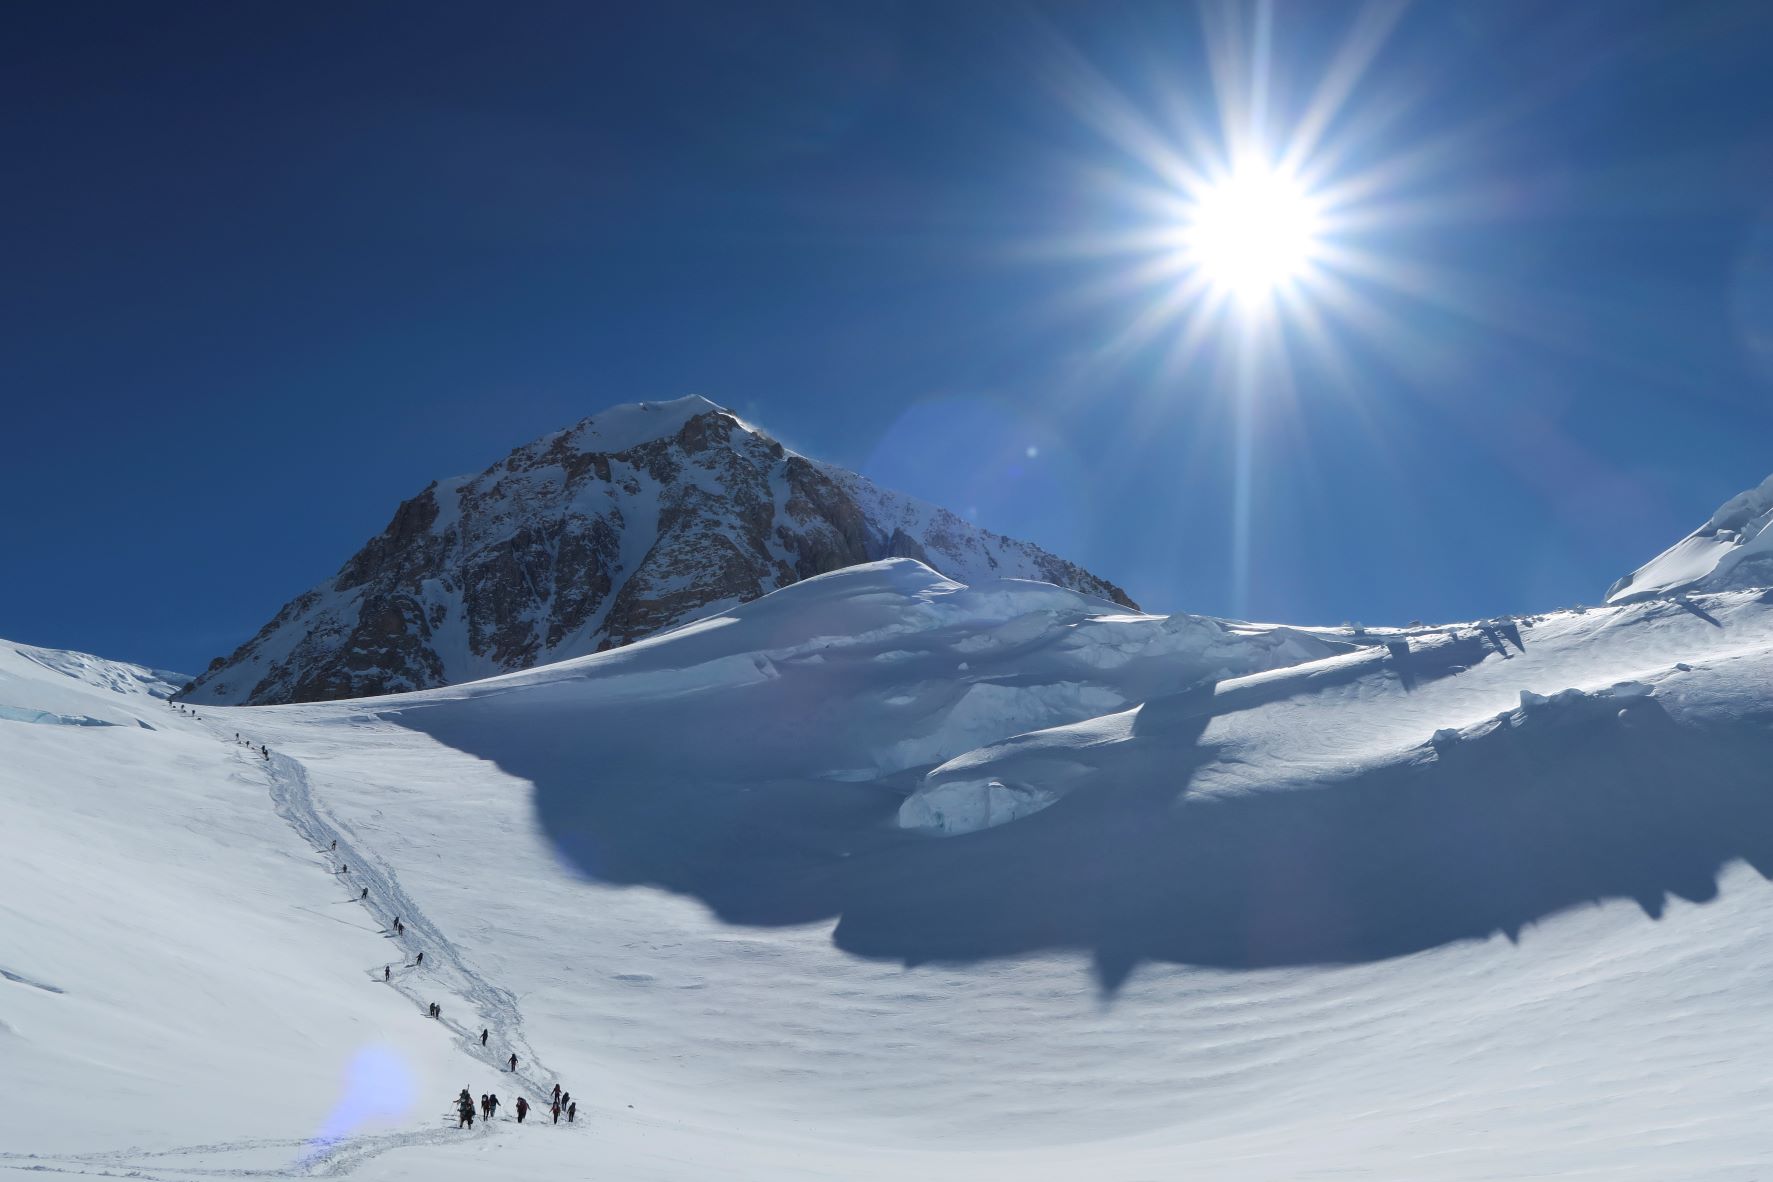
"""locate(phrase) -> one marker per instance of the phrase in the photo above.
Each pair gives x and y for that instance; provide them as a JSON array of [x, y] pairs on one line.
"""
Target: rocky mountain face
[[637, 520]]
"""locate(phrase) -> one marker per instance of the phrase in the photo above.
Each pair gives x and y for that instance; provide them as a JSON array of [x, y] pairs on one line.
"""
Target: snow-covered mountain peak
[[1733, 549], [631, 424], [629, 522]]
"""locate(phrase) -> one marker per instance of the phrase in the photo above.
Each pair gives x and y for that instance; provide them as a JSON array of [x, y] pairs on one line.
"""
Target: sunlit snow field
[[885, 877]]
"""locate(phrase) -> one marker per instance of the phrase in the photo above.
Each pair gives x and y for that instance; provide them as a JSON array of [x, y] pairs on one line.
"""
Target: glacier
[[889, 874]]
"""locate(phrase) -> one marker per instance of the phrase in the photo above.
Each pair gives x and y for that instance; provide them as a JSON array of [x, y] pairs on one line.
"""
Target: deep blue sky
[[267, 269]]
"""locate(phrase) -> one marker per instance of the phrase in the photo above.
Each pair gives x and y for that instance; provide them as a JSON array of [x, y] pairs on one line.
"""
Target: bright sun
[[1253, 233]]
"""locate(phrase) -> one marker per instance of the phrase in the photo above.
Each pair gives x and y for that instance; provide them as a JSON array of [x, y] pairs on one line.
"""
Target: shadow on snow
[[1546, 811]]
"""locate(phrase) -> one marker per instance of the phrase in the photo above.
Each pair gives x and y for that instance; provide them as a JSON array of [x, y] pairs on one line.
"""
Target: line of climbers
[[560, 1102], [489, 1107], [264, 751]]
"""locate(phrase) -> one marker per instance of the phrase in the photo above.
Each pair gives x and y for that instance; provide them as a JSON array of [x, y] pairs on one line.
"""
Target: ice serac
[[636, 520], [1734, 549]]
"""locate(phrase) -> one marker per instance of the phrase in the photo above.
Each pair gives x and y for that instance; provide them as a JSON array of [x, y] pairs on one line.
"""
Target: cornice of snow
[[1733, 549]]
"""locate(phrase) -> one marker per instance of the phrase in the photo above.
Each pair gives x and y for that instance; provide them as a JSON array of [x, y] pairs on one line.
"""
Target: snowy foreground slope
[[176, 965], [881, 876]]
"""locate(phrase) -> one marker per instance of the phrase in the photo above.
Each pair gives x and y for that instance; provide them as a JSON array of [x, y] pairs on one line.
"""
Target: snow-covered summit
[[631, 424], [1733, 549], [635, 520]]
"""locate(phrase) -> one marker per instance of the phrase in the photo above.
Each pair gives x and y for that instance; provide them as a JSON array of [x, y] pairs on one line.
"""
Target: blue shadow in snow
[[1560, 808]]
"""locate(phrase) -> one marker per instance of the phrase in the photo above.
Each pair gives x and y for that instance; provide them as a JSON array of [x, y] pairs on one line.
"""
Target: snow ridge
[[1733, 549]]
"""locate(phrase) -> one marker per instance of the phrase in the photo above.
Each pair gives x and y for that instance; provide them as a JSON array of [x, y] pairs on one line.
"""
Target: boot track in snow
[[445, 970]]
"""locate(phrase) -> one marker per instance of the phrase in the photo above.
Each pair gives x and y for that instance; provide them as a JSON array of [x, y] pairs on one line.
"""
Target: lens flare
[[380, 1088]]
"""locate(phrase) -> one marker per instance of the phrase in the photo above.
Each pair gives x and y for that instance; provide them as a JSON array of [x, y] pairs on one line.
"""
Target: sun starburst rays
[[1240, 210], [1251, 221]]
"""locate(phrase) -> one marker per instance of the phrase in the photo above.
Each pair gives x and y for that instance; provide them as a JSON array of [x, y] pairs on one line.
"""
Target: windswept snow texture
[[884, 876], [1734, 549], [626, 524]]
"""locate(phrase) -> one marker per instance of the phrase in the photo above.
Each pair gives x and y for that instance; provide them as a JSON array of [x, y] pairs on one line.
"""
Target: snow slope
[[1295, 903], [176, 966], [1732, 549]]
